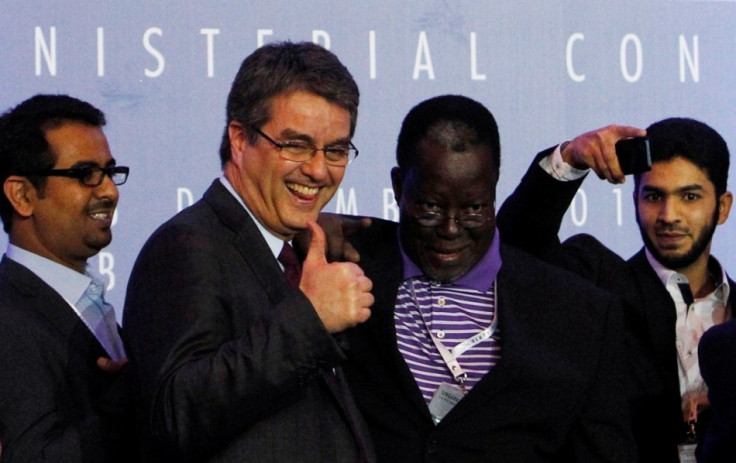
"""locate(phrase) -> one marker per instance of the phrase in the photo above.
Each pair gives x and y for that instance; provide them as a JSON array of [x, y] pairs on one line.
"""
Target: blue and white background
[[547, 69]]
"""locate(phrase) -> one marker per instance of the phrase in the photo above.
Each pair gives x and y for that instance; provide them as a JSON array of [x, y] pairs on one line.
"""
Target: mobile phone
[[633, 155]]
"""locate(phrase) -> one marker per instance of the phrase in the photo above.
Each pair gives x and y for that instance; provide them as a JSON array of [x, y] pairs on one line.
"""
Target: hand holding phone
[[633, 155]]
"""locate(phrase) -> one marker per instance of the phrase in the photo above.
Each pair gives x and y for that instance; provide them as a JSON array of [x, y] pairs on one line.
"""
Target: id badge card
[[686, 449], [445, 397], [687, 453]]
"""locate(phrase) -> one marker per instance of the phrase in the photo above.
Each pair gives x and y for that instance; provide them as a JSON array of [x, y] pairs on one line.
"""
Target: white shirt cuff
[[559, 169]]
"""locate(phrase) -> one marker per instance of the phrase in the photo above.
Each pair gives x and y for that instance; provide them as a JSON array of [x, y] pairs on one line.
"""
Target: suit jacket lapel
[[510, 294], [660, 315], [383, 338], [255, 252], [381, 262], [43, 299], [247, 239]]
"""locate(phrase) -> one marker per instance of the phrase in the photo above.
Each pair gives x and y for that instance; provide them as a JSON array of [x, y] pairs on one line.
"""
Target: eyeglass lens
[[465, 221]]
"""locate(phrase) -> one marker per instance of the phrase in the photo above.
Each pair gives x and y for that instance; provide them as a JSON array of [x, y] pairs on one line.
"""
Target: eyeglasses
[[88, 176], [300, 151], [434, 219]]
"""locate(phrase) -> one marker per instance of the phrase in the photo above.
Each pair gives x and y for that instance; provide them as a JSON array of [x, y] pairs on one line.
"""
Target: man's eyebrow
[[682, 189], [82, 164], [292, 134]]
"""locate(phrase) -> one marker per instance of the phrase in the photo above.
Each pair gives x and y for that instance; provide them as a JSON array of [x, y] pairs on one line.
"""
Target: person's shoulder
[[585, 239], [18, 284], [197, 218], [21, 320], [720, 335], [716, 348], [556, 297], [524, 265], [541, 275], [590, 245]]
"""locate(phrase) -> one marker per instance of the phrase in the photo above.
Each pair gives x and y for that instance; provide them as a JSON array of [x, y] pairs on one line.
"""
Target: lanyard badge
[[444, 399], [448, 395]]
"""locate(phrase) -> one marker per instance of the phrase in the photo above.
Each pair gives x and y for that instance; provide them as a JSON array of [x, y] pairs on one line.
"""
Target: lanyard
[[450, 356]]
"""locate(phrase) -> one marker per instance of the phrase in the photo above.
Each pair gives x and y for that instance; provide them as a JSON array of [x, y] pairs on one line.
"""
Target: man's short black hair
[[23, 145]]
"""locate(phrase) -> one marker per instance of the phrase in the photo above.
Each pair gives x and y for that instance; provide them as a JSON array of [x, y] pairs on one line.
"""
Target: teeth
[[99, 215], [309, 191]]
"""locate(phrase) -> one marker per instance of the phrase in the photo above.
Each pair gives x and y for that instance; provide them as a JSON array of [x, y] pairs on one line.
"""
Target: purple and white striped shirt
[[453, 312]]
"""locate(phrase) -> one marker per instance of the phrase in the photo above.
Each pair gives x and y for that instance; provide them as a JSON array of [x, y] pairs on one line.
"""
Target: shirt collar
[[274, 242], [669, 277], [70, 284], [480, 277]]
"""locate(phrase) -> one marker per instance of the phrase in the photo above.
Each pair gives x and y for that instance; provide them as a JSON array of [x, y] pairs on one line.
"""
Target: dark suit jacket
[[717, 354], [55, 403], [234, 364], [530, 219], [555, 395]]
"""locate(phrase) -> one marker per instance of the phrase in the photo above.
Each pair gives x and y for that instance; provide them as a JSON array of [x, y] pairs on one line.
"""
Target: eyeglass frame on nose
[[302, 147], [84, 174], [435, 219]]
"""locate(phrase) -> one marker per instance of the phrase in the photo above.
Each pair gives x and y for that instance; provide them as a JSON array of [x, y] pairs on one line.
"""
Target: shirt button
[[441, 301], [440, 334]]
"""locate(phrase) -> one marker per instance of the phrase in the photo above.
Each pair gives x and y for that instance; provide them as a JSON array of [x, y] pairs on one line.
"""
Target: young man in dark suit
[[673, 289], [236, 361], [60, 354], [476, 351]]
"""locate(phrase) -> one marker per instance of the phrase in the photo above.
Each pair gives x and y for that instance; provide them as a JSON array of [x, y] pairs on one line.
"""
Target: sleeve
[[530, 218], [603, 432], [555, 166], [216, 353]]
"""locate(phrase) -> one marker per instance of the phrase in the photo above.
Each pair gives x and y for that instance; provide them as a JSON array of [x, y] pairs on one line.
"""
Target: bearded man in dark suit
[[673, 288]]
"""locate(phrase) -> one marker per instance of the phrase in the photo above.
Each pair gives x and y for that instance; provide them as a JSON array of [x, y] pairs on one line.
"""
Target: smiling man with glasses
[[340, 154], [237, 348], [87, 175], [476, 351], [60, 351]]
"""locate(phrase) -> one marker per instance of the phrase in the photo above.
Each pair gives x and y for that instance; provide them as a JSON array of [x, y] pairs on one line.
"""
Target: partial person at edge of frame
[[673, 288], [63, 394]]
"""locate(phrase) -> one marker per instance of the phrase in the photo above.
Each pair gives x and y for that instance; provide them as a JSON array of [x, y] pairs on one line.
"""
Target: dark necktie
[[292, 271], [290, 261]]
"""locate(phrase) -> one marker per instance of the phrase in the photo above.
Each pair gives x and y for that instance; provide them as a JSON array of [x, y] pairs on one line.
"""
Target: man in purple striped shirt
[[475, 350]]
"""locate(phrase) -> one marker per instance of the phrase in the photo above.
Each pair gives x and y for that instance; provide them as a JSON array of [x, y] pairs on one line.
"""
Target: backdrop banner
[[548, 70]]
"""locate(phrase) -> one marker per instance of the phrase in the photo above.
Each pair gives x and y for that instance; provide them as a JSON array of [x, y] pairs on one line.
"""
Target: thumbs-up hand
[[339, 291]]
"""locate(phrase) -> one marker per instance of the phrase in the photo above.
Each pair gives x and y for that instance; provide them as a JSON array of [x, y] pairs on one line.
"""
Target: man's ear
[[21, 193], [724, 206], [238, 140]]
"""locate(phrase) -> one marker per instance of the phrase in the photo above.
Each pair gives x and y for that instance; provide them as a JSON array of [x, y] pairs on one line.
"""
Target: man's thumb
[[317, 243]]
